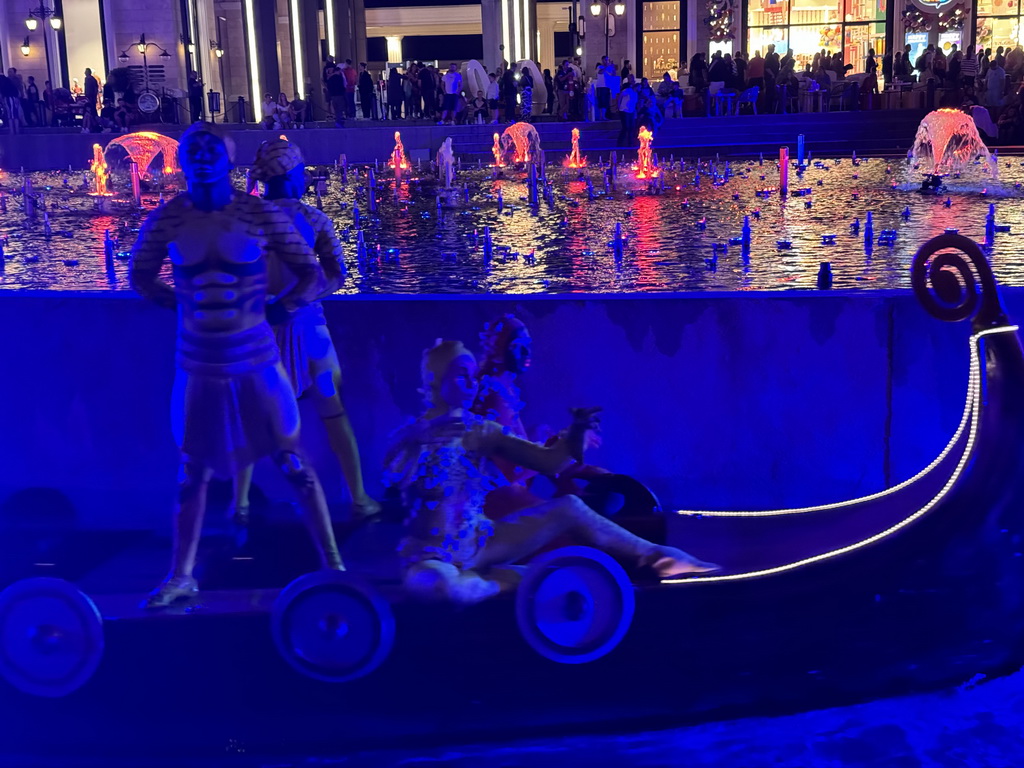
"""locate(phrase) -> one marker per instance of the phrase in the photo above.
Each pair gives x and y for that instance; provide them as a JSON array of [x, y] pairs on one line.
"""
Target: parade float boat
[[915, 587]]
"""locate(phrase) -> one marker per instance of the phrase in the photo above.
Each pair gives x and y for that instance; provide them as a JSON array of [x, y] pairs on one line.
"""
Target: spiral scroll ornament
[[953, 281]]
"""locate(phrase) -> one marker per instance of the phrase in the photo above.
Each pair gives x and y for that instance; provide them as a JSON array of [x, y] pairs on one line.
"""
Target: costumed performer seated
[[508, 348], [443, 462], [307, 350], [232, 401]]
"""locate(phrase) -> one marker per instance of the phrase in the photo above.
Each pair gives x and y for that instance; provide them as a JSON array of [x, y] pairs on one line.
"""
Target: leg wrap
[[296, 472]]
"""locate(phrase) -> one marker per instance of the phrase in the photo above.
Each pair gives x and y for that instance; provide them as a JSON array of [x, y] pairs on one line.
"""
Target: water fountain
[[575, 159], [100, 172], [399, 162], [522, 141], [446, 163], [143, 147], [645, 167], [947, 141], [499, 160]]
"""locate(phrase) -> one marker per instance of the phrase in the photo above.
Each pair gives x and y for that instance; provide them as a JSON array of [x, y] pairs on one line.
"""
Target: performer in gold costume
[[232, 402]]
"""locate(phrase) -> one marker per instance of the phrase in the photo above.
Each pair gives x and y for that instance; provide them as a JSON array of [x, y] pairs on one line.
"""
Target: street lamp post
[[42, 12], [608, 6], [148, 102]]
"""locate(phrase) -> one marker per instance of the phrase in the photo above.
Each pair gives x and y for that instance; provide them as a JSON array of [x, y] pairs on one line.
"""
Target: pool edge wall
[[743, 400]]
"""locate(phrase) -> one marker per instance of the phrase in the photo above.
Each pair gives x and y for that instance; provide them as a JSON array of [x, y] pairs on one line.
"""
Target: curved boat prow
[[954, 282]]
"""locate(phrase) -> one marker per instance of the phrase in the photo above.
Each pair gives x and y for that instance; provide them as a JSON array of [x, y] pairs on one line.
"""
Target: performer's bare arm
[[148, 256], [292, 250], [330, 254]]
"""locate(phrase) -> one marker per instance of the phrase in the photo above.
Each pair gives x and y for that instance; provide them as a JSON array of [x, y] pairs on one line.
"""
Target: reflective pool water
[[675, 239]]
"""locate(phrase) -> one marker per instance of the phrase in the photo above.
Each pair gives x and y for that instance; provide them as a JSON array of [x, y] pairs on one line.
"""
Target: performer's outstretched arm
[[148, 258]]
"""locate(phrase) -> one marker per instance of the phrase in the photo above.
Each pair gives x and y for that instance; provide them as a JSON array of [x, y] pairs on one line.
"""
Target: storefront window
[[995, 32], [804, 27], [858, 40], [662, 38], [998, 24], [865, 10], [765, 13]]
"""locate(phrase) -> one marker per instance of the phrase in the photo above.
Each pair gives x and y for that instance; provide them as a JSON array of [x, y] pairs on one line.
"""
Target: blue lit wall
[[744, 400]]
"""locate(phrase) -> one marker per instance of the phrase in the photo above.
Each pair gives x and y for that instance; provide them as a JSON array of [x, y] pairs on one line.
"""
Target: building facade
[[243, 49]]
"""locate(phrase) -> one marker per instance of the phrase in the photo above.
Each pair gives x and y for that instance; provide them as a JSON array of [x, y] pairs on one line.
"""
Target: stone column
[[358, 31], [509, 31], [311, 63], [265, 18]]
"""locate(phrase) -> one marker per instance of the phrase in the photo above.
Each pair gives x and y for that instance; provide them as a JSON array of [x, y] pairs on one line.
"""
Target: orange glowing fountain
[[645, 167], [99, 171], [575, 159], [143, 146], [526, 141], [496, 151], [398, 159]]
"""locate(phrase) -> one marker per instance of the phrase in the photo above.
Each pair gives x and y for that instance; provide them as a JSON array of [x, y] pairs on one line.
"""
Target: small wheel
[[574, 605], [51, 637], [330, 627]]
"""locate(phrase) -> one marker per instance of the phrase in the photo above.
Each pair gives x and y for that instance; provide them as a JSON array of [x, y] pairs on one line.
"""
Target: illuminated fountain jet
[[645, 167], [100, 172], [522, 142], [398, 159], [575, 159], [143, 147], [499, 161], [947, 141], [446, 163]]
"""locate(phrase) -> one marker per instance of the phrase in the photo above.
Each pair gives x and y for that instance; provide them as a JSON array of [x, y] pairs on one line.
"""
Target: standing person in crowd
[[34, 113], [627, 104], [1015, 60], [995, 84], [605, 78], [870, 65], [16, 109], [526, 94], [12, 104], [48, 104], [626, 71], [771, 60], [564, 82], [549, 86], [336, 94], [351, 79], [428, 91], [366, 99], [718, 73], [195, 94], [396, 93], [509, 91], [907, 75], [493, 95], [887, 67], [969, 72], [698, 75], [452, 83], [954, 65]]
